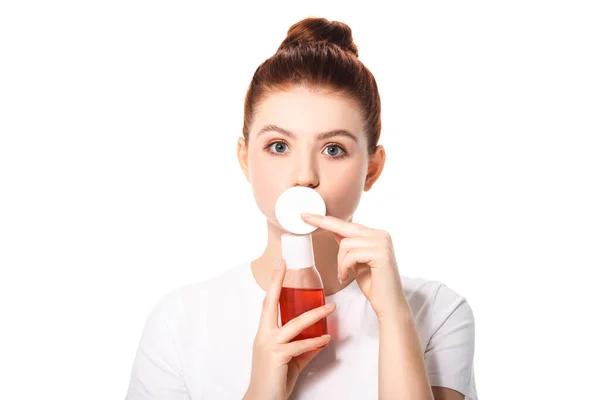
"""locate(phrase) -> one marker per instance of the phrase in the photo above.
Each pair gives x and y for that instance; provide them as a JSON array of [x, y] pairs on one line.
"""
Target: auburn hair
[[318, 54]]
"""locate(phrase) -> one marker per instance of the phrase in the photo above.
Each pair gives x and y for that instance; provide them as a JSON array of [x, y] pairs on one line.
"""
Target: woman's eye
[[334, 151], [278, 147]]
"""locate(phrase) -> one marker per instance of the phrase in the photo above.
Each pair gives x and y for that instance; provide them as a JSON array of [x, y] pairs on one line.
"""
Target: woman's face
[[287, 147]]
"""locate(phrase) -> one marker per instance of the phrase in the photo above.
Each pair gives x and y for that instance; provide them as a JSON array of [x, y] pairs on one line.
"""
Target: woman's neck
[[325, 249]]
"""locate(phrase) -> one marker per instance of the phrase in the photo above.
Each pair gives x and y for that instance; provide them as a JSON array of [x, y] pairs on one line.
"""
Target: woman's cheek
[[343, 206], [265, 187], [343, 198]]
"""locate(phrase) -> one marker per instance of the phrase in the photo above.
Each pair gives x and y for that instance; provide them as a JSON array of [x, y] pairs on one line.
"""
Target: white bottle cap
[[297, 251], [295, 201]]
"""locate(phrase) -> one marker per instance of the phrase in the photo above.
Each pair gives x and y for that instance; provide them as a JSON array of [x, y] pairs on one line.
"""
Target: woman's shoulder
[[233, 279], [430, 288], [435, 297], [193, 296]]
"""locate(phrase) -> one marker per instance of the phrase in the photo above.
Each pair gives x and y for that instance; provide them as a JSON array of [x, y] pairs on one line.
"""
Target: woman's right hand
[[277, 362]]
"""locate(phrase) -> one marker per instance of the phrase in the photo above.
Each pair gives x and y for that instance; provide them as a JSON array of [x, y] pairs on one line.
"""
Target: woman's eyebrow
[[320, 136]]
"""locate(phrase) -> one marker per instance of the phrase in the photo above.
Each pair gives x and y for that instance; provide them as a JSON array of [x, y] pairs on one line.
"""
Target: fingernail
[[307, 215], [330, 305], [326, 337], [278, 265]]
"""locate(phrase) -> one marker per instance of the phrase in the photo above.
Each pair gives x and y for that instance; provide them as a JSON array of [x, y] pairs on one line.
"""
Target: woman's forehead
[[304, 111]]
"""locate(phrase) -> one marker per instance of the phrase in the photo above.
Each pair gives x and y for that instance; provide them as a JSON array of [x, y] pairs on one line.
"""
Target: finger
[[354, 257], [342, 253], [356, 242], [295, 349], [303, 321], [336, 225], [270, 312], [348, 244]]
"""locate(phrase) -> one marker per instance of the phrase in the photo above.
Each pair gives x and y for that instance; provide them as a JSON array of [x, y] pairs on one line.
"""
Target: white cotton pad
[[295, 201]]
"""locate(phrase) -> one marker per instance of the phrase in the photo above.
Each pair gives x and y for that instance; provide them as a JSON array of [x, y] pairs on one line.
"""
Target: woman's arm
[[369, 254], [402, 373]]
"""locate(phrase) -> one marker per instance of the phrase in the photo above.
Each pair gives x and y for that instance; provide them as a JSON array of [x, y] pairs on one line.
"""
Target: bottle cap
[[297, 251], [295, 201]]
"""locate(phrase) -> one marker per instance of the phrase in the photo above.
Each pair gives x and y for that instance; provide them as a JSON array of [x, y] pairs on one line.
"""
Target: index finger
[[270, 310], [336, 225]]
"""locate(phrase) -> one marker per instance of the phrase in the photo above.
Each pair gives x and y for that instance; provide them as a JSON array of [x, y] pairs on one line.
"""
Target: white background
[[119, 180]]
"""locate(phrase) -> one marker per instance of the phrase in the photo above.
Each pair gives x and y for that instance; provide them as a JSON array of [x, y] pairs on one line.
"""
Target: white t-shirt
[[197, 342]]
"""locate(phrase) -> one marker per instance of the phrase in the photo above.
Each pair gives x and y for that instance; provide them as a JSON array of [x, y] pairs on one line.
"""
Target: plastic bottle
[[302, 288]]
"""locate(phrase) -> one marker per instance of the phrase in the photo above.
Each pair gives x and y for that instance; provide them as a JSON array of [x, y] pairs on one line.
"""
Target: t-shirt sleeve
[[156, 372], [450, 352]]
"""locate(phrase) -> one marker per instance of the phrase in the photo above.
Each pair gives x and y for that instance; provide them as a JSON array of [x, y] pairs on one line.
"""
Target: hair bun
[[320, 30]]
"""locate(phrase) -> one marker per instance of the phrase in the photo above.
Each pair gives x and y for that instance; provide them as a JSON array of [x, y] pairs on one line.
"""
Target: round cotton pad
[[295, 201]]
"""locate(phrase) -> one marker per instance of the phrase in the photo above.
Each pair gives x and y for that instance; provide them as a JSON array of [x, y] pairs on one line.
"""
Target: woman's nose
[[306, 173]]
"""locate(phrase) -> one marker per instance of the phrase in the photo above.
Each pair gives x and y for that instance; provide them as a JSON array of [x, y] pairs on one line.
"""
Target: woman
[[312, 118]]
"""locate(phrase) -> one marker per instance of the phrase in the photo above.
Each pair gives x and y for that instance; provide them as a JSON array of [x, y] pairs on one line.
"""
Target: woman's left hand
[[369, 253]]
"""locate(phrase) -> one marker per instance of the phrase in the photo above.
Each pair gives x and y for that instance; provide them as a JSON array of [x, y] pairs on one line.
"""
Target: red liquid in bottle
[[293, 302]]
